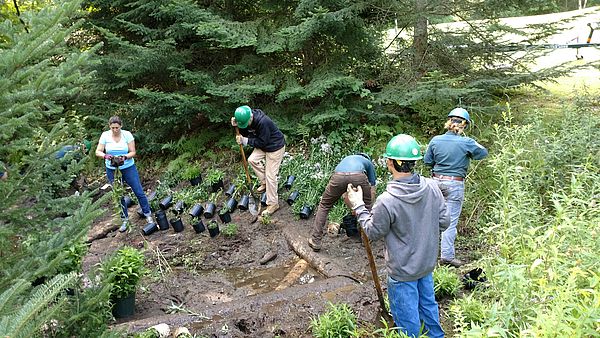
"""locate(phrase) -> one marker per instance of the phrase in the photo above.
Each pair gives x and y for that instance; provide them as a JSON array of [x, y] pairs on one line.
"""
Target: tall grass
[[541, 228]]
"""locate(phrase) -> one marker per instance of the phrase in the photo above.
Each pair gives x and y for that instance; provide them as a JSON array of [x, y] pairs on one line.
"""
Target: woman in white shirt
[[117, 147]]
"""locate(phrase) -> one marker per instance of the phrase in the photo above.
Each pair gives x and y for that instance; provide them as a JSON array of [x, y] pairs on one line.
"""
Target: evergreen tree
[[188, 64], [43, 70]]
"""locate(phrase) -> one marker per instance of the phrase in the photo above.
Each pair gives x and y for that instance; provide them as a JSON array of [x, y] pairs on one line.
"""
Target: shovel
[[254, 210], [384, 312]]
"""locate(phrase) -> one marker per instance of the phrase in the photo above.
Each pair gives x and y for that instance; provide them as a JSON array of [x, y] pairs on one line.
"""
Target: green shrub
[[230, 230], [124, 271], [466, 312], [446, 282], [339, 321]]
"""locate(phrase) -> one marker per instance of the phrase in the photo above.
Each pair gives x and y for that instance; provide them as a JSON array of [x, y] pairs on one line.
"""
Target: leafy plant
[[230, 230], [191, 172], [466, 312], [445, 282], [338, 321], [124, 271], [73, 258], [214, 175], [212, 225]]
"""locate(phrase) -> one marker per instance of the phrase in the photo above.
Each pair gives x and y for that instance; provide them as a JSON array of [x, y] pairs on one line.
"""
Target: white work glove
[[233, 122], [355, 196], [241, 140]]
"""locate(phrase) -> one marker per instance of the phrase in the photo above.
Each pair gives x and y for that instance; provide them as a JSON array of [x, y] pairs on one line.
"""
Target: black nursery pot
[[124, 307], [209, 210], [293, 196], [161, 219], [263, 199], [127, 201], [214, 231], [305, 212], [179, 206], [151, 196], [243, 203], [225, 218], [231, 204], [195, 181], [196, 210], [199, 226], [230, 190], [289, 182], [149, 229], [216, 186], [350, 224], [474, 278], [177, 224], [166, 202]]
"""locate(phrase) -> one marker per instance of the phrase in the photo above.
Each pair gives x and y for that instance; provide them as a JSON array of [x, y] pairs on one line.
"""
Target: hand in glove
[[355, 196], [241, 140], [108, 157], [117, 161]]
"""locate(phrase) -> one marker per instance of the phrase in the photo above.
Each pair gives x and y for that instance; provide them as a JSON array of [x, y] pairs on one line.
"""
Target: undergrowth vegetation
[[541, 231]]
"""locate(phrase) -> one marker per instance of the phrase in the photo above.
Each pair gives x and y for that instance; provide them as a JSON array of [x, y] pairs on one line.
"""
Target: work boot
[[262, 188], [455, 262], [316, 246], [123, 227], [270, 209]]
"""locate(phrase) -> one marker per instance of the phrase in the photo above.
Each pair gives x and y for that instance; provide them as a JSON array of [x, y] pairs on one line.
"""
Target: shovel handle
[[237, 132], [367, 244]]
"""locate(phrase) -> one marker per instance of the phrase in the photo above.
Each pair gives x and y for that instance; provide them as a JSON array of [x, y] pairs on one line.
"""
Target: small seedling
[[265, 220], [230, 230]]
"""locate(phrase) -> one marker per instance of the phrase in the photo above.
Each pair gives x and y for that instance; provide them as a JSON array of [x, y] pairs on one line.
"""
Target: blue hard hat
[[460, 112]]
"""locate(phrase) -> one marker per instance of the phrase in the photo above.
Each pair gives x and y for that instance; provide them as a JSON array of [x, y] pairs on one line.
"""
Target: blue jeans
[[413, 303], [132, 178], [454, 202]]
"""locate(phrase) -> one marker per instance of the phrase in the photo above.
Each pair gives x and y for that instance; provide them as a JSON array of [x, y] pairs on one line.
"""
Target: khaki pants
[[267, 173], [337, 186]]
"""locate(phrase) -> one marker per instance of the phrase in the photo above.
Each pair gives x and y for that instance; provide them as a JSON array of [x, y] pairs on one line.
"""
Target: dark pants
[[131, 177], [337, 186]]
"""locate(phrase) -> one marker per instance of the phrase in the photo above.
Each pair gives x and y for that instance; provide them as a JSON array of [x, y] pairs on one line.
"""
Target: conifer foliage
[[188, 64], [42, 224]]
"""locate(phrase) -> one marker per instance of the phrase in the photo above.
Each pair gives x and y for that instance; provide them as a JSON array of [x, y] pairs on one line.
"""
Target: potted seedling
[[214, 179], [225, 214], [176, 222], [123, 272], [213, 228], [166, 202], [210, 207], [192, 174], [198, 226], [196, 210]]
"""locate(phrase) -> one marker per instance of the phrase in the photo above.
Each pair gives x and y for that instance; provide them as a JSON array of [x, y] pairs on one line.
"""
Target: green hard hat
[[403, 147], [242, 116], [87, 144]]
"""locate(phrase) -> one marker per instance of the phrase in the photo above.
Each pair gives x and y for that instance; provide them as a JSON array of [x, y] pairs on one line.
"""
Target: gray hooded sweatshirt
[[409, 216]]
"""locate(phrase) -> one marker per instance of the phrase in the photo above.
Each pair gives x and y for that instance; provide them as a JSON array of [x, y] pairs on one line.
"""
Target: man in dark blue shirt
[[258, 130], [355, 169]]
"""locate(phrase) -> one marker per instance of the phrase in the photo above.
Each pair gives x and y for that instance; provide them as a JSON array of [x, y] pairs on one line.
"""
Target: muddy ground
[[217, 287]]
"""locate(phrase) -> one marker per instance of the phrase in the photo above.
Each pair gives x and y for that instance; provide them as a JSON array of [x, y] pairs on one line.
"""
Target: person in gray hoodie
[[409, 216]]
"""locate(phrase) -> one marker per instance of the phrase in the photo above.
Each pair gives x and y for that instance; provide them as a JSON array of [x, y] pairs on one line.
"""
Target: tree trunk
[[419, 38], [582, 4]]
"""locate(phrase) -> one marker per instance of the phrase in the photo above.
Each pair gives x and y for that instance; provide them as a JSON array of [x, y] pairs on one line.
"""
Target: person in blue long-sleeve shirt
[[355, 169], [449, 155]]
